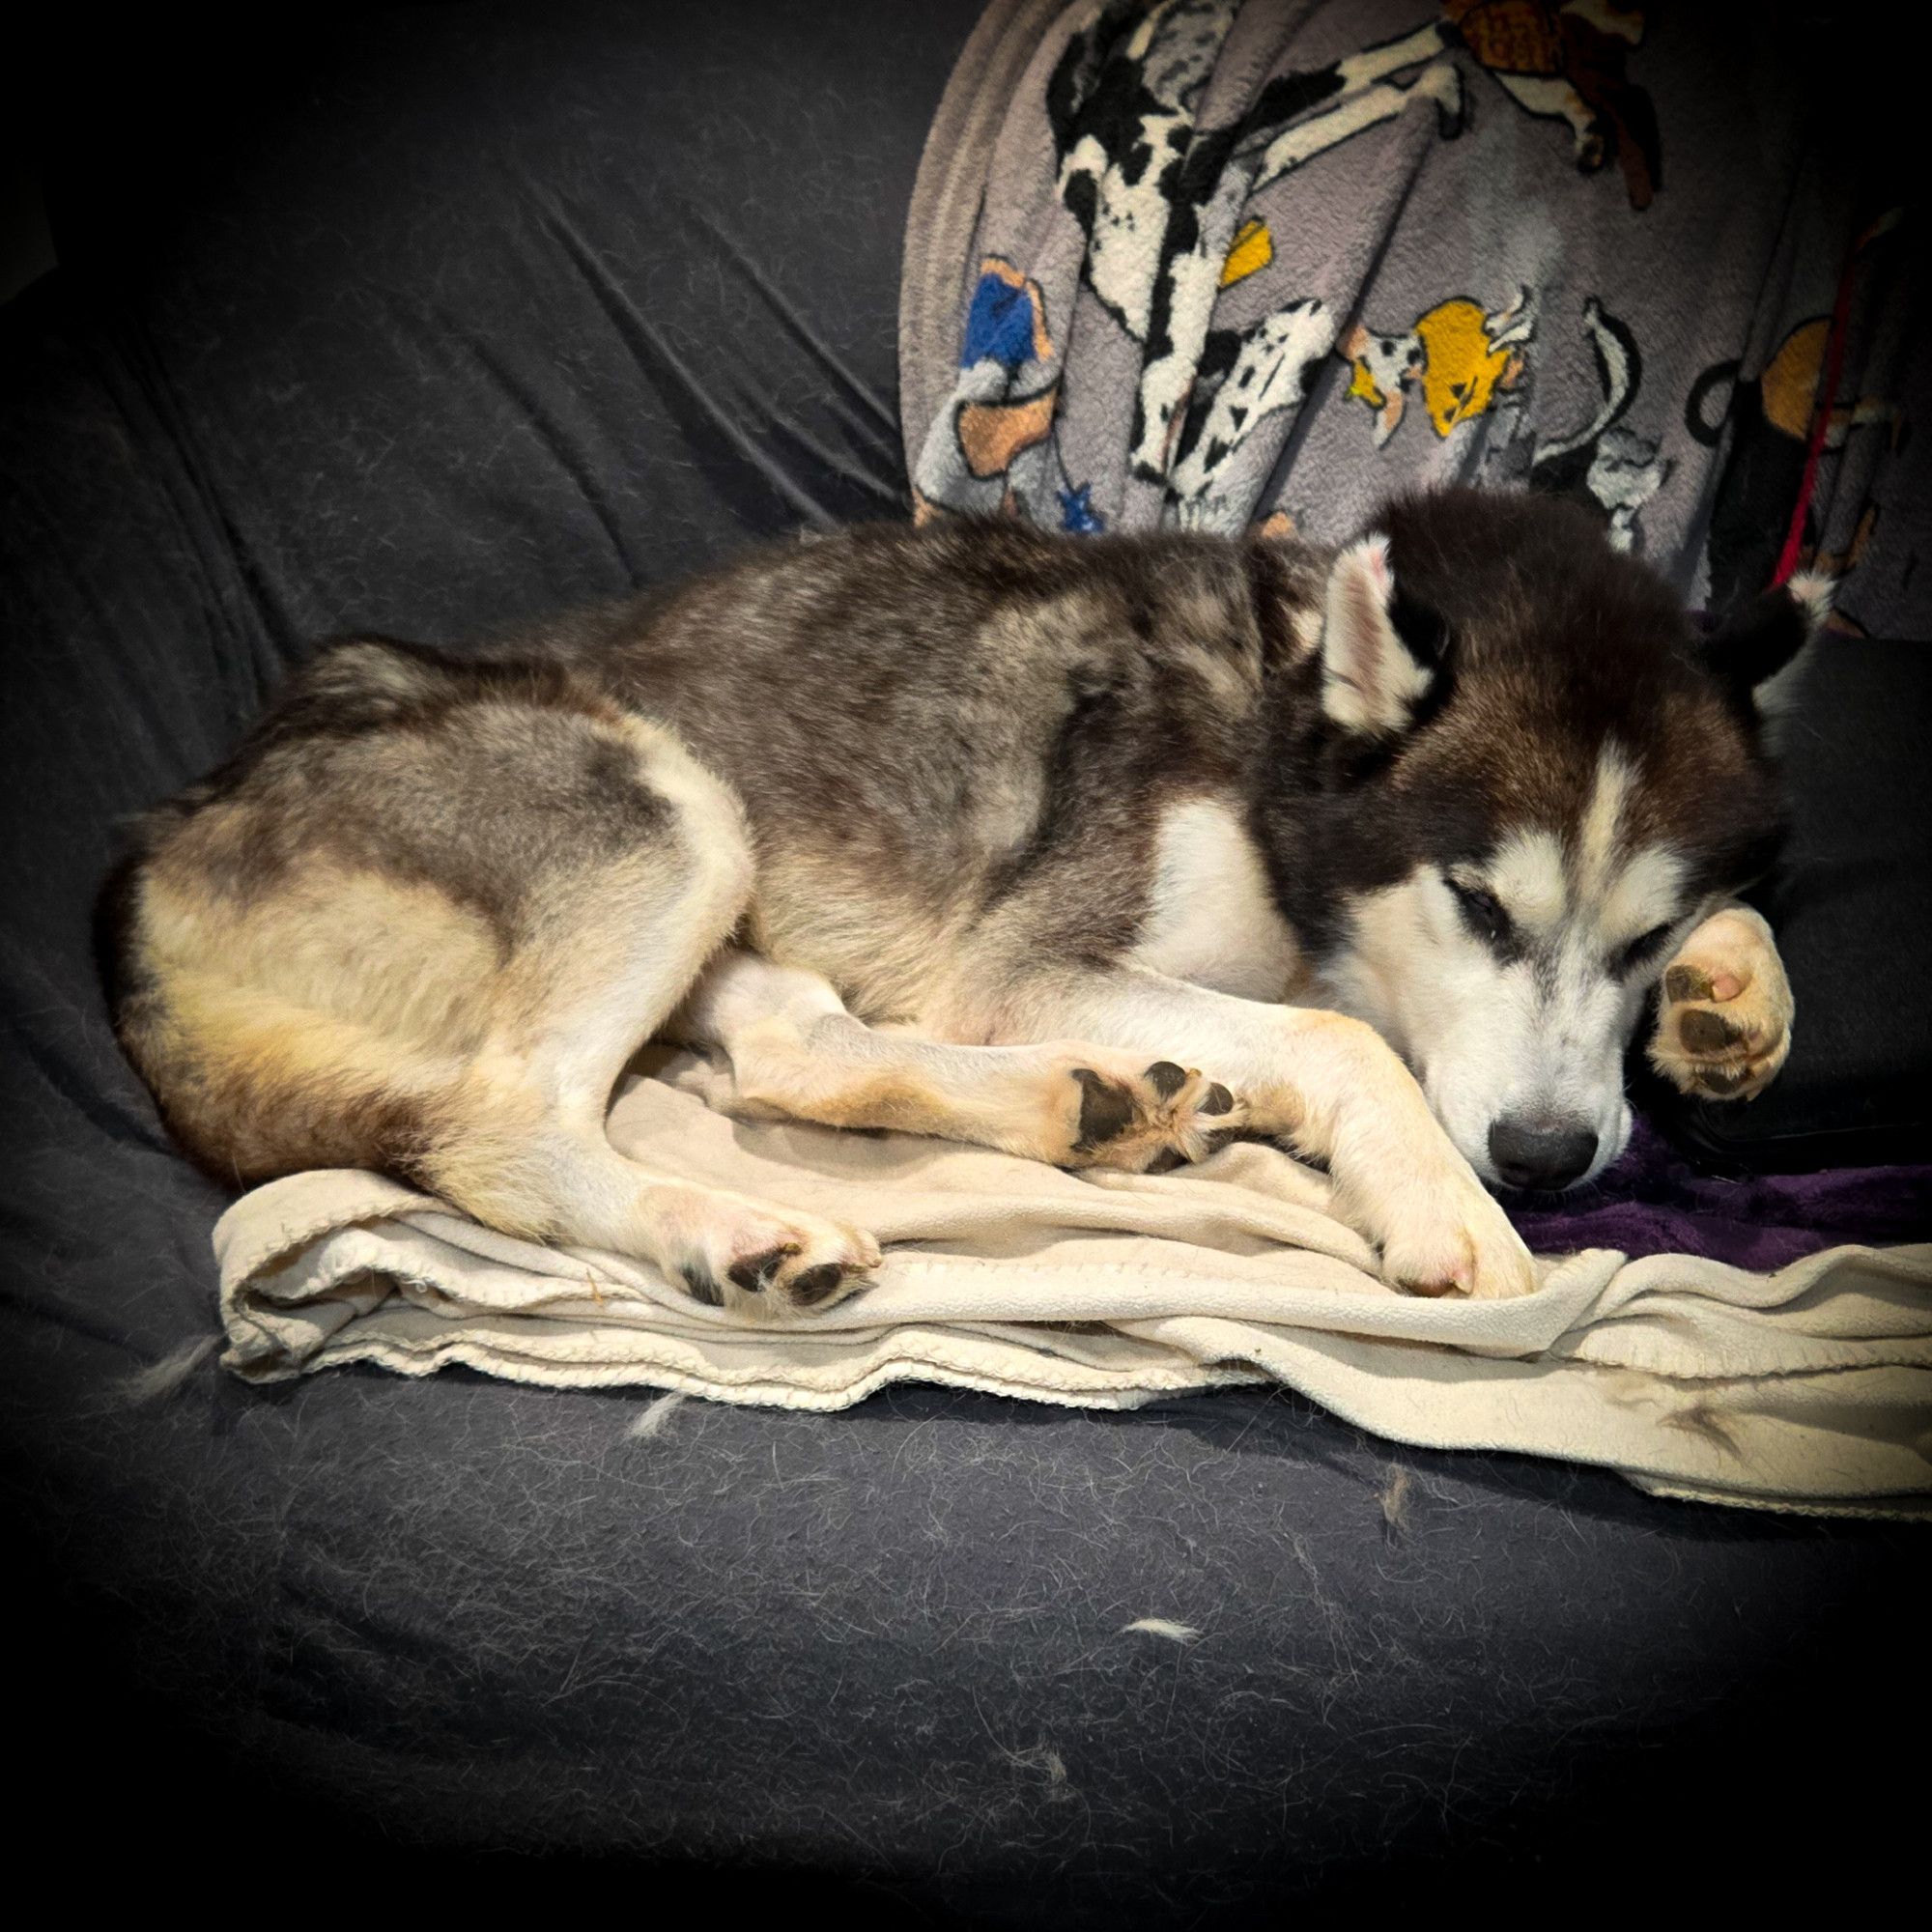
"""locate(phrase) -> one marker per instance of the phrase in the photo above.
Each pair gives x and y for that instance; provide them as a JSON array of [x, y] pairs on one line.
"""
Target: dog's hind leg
[[558, 1185], [1330, 1085], [419, 924], [526, 1148], [794, 1052]]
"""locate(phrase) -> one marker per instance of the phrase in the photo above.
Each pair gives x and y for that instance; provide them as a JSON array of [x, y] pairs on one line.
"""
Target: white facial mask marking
[[1597, 830], [1528, 876], [1543, 1036], [1643, 895]]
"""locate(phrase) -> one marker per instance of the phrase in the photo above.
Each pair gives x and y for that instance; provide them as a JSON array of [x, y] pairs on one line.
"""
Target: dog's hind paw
[[1724, 1024], [774, 1262], [1109, 1112]]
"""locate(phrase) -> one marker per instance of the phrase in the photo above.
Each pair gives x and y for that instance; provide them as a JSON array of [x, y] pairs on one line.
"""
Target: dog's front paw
[[1108, 1111], [1450, 1237], [1723, 1026]]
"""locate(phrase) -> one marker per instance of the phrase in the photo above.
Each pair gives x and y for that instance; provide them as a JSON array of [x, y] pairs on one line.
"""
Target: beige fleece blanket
[[1807, 1389]]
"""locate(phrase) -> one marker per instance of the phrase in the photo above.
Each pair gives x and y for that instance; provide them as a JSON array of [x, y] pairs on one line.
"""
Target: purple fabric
[[1653, 1201]]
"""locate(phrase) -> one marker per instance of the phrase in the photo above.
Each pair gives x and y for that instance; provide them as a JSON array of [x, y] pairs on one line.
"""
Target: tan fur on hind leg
[[430, 948], [526, 1147]]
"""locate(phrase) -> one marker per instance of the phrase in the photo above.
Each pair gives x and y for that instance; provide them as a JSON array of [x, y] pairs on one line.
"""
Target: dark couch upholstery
[[467, 313]]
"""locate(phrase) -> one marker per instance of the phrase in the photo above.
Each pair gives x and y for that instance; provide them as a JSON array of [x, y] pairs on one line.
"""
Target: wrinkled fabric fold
[[1802, 1389]]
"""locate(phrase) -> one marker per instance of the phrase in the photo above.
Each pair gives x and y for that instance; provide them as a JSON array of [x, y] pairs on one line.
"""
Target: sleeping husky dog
[[1094, 849]]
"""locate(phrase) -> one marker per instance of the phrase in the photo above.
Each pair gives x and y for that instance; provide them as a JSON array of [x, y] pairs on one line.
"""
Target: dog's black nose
[[1541, 1153]]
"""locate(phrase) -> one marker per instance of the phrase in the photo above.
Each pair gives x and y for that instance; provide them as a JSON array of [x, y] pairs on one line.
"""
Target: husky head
[[1522, 778]]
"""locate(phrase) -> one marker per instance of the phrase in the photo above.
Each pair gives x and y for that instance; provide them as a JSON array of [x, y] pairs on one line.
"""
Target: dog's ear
[[1382, 652], [1759, 648]]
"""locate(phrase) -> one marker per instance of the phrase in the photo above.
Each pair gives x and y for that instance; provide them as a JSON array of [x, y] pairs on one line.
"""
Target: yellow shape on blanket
[[1252, 248]]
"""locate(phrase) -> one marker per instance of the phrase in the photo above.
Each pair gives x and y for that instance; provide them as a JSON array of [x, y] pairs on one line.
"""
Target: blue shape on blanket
[[999, 326], [1078, 514]]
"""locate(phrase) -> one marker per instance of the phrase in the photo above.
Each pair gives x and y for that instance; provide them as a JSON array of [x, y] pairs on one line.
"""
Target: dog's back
[[982, 720]]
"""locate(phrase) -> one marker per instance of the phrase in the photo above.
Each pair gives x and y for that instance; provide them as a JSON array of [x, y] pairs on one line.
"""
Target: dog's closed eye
[[1483, 913], [1642, 951]]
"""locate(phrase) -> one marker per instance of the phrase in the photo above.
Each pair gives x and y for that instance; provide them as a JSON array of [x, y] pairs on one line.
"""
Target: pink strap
[[1820, 418]]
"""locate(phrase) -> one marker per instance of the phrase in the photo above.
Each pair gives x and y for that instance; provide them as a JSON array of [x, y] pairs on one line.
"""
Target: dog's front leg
[[1330, 1085], [1724, 1024], [792, 1052]]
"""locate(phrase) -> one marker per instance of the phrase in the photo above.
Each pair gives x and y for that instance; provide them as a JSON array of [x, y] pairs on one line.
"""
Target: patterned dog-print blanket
[[1219, 263]]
